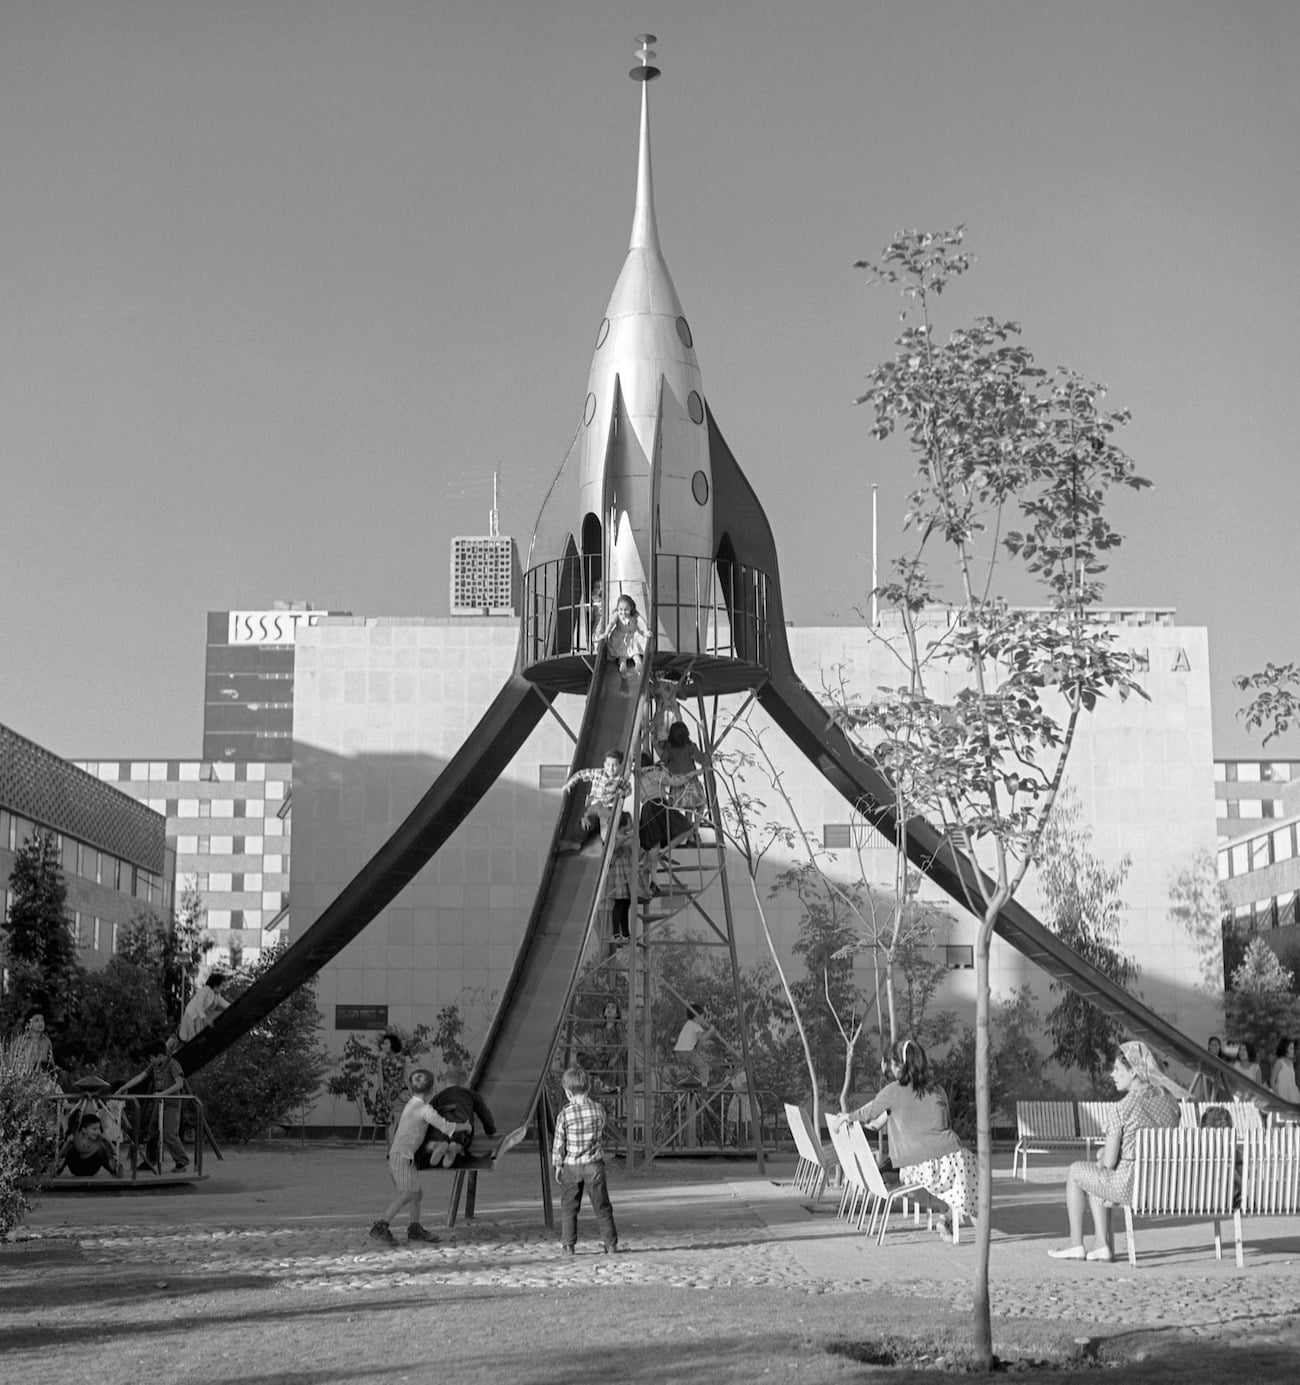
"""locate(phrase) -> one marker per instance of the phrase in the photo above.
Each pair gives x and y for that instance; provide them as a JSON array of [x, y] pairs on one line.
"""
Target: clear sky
[[284, 281]]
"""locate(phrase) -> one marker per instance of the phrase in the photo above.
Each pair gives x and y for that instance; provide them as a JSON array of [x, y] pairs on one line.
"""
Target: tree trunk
[[982, 1323], [794, 1009]]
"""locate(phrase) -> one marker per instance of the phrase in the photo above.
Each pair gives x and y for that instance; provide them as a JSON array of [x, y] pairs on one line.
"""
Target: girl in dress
[[922, 1143], [626, 637]]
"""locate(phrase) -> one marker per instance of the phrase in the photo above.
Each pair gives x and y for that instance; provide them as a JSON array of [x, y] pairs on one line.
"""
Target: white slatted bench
[[1043, 1125], [1185, 1173], [1270, 1172], [1095, 1118], [1244, 1115]]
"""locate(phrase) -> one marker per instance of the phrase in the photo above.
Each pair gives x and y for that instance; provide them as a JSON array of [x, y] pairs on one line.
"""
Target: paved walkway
[[298, 1216]]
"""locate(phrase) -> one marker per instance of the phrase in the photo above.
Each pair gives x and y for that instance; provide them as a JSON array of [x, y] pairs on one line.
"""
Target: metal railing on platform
[[702, 607], [140, 1137]]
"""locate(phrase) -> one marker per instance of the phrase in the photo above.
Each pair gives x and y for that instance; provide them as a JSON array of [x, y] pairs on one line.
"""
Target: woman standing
[[1282, 1078], [922, 1143], [1150, 1099], [390, 1083]]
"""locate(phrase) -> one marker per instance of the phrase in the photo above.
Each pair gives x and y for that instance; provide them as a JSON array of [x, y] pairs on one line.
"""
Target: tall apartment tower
[[248, 694], [485, 571]]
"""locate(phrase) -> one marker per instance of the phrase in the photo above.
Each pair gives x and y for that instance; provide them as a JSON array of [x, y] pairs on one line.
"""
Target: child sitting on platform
[[456, 1102], [86, 1151]]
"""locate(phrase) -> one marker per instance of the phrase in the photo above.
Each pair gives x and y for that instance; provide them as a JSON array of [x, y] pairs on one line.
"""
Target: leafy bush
[[1015, 1064], [269, 1072], [119, 1019], [354, 1074], [25, 1139]]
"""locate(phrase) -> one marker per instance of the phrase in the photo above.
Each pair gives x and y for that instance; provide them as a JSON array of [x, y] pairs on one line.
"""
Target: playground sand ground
[[264, 1273]]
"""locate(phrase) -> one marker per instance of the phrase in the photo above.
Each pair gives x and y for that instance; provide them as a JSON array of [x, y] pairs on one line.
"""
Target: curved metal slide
[[513, 1060], [488, 750], [808, 724]]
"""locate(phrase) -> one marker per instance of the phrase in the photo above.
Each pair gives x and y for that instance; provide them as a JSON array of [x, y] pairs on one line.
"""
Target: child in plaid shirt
[[578, 1155], [606, 784]]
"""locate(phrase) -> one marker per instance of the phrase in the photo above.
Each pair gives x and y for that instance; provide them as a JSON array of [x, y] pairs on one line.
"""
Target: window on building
[[1225, 869], [113, 943], [1265, 914], [1284, 843], [1251, 808], [551, 776], [837, 835], [960, 958], [1260, 852], [205, 807], [1248, 772], [1240, 859], [1220, 772], [1230, 771], [97, 923]]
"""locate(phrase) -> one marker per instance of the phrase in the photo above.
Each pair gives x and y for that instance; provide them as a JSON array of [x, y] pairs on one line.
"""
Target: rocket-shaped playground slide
[[655, 507], [510, 1067]]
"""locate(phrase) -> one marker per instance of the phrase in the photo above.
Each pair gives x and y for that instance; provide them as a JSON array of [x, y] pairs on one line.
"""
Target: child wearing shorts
[[412, 1127]]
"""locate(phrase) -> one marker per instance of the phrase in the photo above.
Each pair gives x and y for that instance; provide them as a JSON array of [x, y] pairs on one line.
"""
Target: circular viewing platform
[[710, 619]]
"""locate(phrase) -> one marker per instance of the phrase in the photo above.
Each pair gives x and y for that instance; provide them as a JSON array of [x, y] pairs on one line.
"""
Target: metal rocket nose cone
[[645, 231]]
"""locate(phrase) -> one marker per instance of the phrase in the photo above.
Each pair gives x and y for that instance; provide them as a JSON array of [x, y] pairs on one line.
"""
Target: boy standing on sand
[[578, 1156]]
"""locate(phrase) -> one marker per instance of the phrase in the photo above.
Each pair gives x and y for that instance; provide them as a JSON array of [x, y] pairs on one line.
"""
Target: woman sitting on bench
[[1150, 1099]]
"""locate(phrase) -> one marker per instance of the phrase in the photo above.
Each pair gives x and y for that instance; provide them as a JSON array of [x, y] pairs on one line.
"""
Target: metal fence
[[704, 607]]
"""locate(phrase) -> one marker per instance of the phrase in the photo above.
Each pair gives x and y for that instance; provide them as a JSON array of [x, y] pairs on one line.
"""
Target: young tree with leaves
[[1085, 905], [40, 952], [1262, 1005], [1198, 903], [1013, 470]]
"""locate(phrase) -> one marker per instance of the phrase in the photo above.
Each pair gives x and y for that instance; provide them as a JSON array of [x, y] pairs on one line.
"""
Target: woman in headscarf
[[1150, 1099]]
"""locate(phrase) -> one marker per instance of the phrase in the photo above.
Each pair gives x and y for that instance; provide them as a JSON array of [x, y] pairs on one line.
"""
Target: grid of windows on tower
[[482, 575]]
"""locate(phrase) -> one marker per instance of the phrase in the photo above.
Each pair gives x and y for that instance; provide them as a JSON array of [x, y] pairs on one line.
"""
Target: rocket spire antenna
[[645, 233]]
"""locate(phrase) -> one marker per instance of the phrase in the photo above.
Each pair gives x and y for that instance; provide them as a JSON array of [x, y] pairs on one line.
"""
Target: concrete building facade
[[116, 858], [380, 706], [229, 825]]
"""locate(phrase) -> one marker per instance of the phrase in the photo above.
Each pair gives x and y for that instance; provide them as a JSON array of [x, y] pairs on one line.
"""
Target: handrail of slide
[[468, 775], [808, 724], [512, 1063]]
